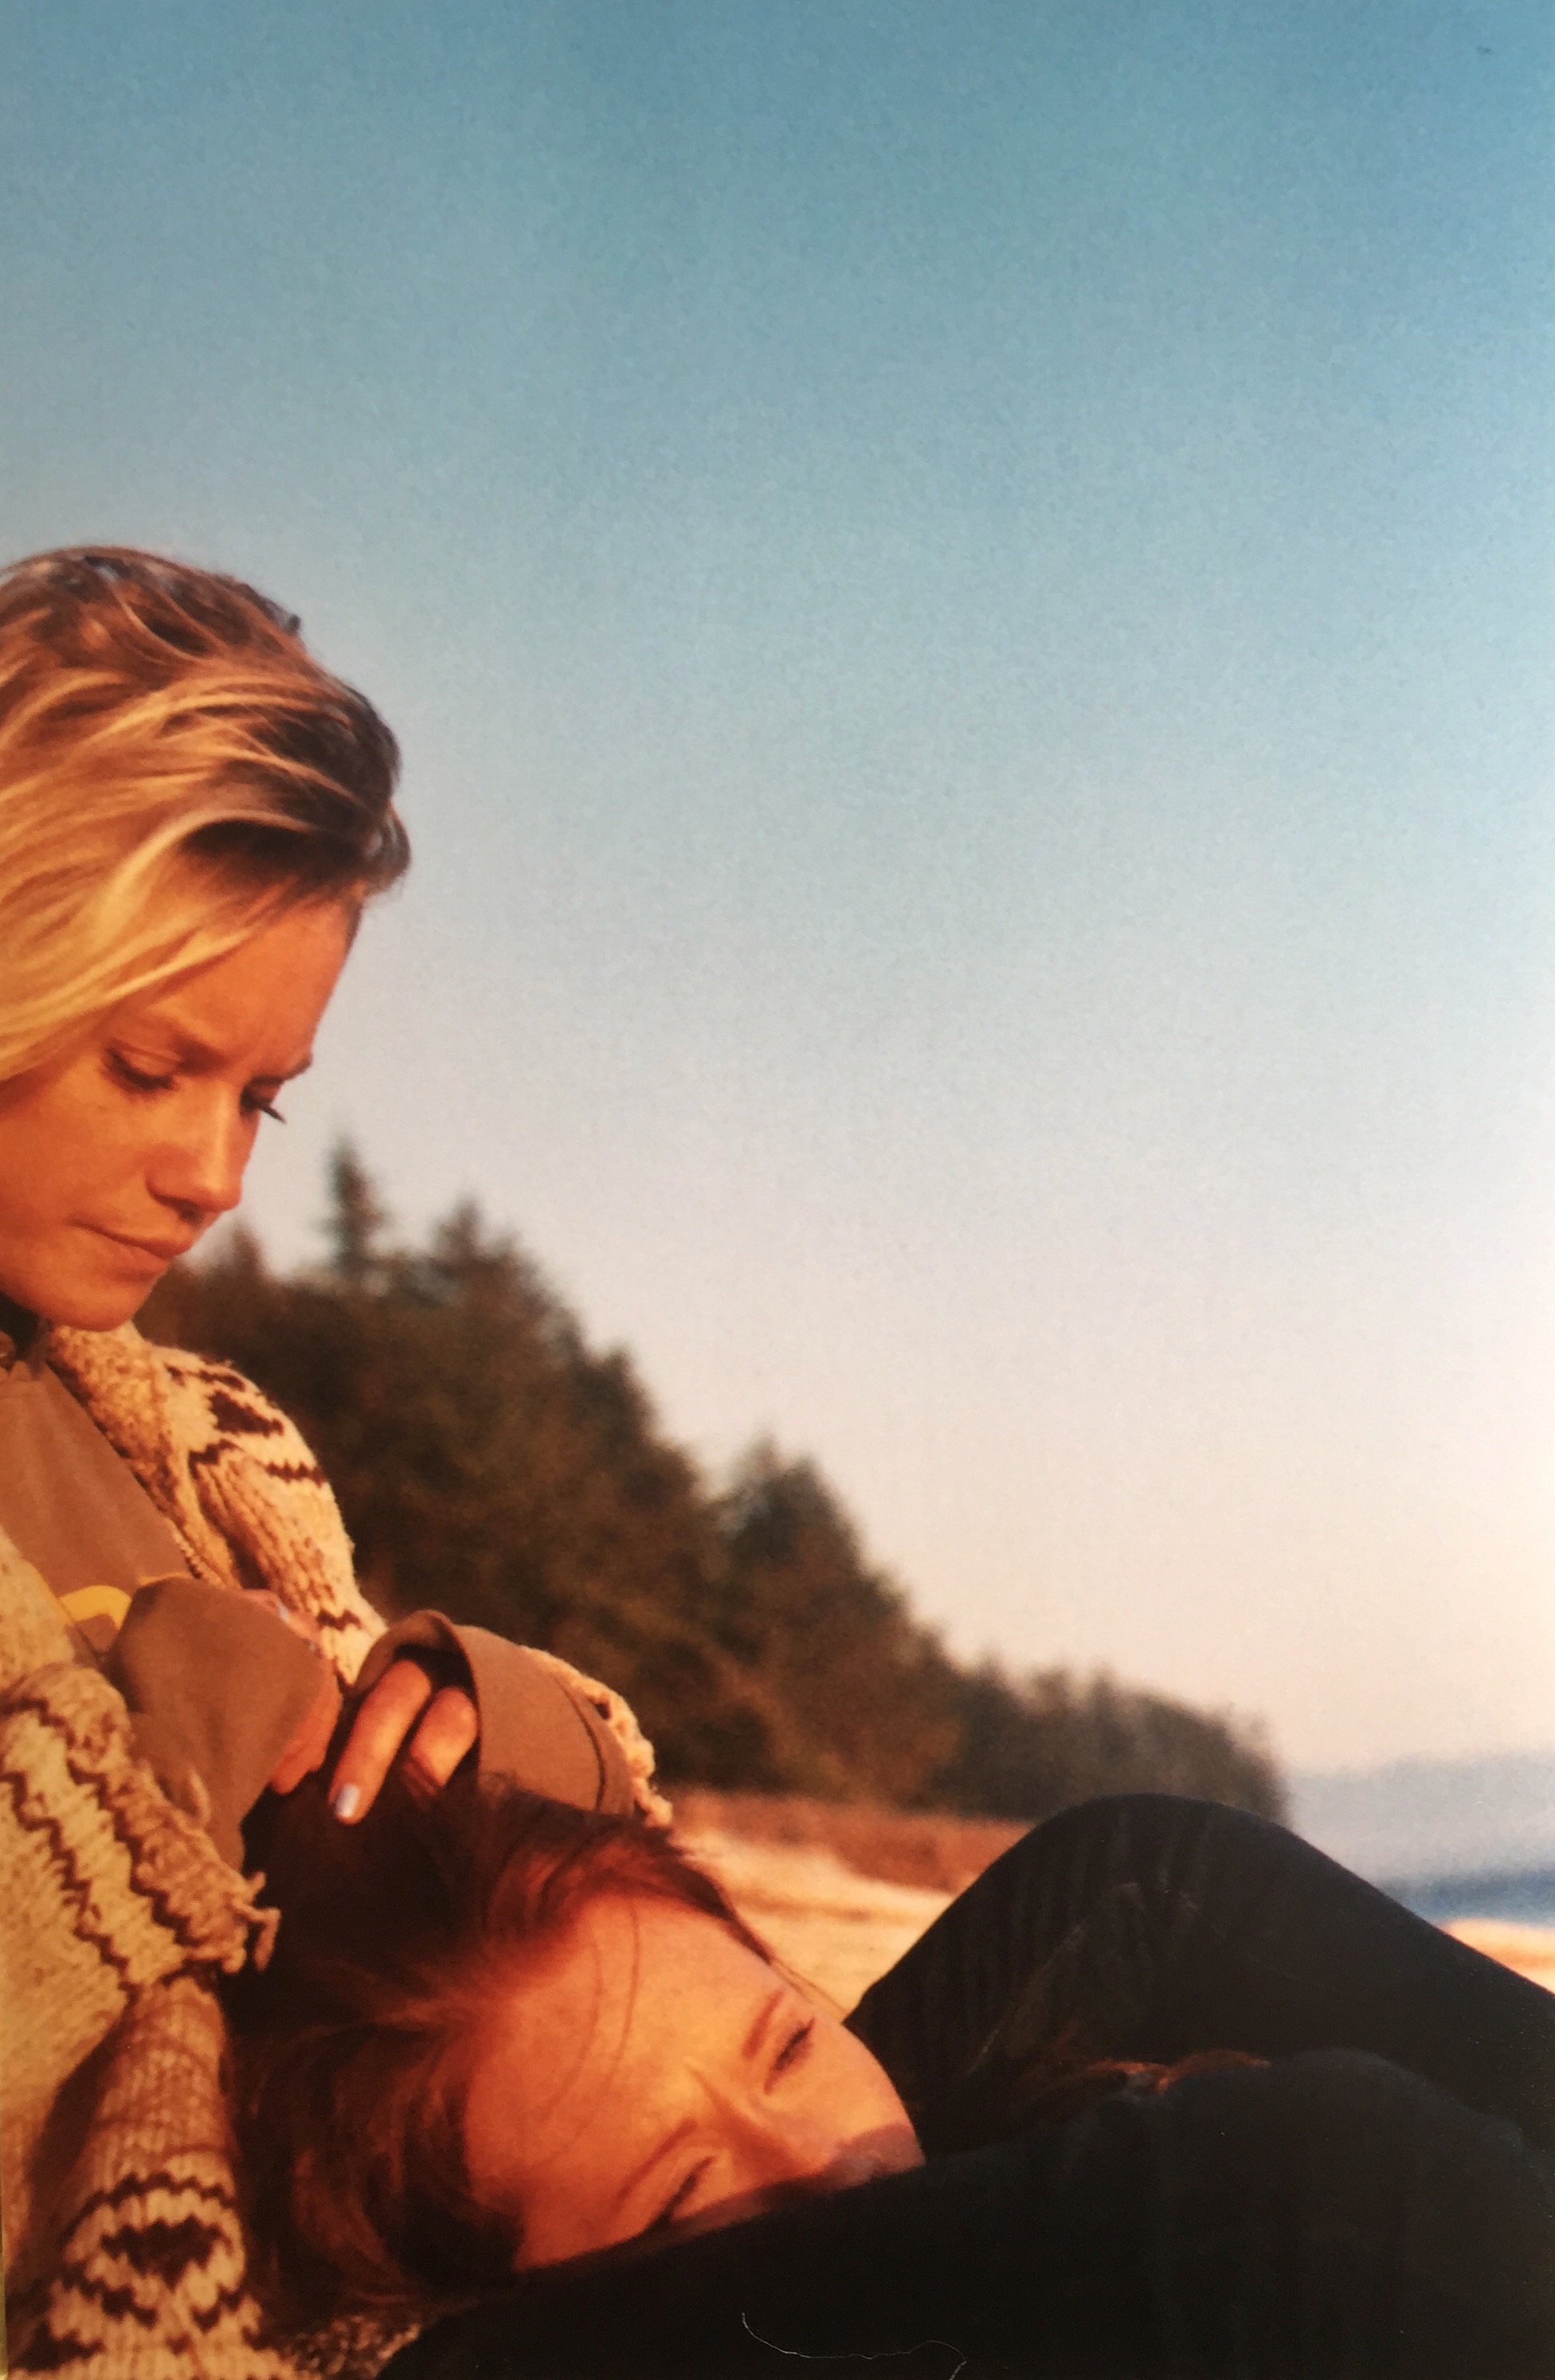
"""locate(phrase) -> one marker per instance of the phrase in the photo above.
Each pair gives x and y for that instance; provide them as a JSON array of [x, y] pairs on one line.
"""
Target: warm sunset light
[[970, 619]]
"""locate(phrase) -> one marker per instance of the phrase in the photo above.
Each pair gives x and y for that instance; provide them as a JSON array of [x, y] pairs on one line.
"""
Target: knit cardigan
[[124, 2251]]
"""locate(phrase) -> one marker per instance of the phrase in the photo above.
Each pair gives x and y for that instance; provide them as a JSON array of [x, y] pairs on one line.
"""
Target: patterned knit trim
[[147, 2278], [69, 1762], [115, 1375], [230, 1472], [150, 2284]]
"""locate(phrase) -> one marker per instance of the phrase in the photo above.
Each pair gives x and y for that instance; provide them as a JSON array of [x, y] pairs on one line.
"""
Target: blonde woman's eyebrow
[[187, 1049]]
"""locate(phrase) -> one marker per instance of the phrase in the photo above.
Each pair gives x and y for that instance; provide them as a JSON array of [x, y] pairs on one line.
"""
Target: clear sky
[[966, 587]]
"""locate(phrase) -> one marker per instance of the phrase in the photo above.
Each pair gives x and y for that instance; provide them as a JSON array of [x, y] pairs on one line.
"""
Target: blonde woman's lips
[[160, 1252]]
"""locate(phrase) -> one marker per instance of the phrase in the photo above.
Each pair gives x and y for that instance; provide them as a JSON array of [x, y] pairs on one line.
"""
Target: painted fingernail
[[346, 1800]]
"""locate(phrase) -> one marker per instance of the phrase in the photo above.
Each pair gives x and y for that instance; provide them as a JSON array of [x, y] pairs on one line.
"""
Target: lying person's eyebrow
[[666, 2147], [753, 2038]]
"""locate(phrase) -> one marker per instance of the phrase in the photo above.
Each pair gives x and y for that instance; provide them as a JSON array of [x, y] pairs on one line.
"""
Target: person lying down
[[497, 2032], [527, 2062]]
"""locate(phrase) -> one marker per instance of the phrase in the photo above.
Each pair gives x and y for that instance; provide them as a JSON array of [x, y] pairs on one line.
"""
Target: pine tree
[[355, 1222]]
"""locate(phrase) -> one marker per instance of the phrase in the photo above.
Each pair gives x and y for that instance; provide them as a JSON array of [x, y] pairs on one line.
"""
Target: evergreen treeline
[[488, 1462]]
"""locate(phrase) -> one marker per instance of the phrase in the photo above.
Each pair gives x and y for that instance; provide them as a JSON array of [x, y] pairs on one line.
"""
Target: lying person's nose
[[802, 2152]]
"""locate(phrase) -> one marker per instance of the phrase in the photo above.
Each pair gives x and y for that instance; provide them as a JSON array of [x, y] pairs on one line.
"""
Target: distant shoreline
[[1451, 1838], [1513, 1896]]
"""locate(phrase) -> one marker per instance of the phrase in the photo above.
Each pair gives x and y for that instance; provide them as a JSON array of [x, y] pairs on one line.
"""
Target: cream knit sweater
[[124, 2251]]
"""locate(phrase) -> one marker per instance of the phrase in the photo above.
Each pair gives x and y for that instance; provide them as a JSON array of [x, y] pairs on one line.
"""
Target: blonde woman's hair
[[176, 770]]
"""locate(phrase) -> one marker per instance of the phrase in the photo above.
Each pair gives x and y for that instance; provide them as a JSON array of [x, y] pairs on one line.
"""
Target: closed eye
[[136, 1078], [145, 1082], [794, 2048], [680, 2198]]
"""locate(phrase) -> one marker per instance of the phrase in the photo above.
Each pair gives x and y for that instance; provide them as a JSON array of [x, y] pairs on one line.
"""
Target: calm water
[[1523, 1895]]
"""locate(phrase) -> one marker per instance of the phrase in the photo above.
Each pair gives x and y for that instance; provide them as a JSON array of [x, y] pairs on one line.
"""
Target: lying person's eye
[[679, 2201], [794, 2048]]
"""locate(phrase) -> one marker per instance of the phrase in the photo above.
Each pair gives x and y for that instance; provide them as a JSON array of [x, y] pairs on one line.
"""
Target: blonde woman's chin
[[90, 1280]]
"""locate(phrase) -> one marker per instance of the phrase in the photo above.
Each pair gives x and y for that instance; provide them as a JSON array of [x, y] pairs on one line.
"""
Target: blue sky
[[967, 591]]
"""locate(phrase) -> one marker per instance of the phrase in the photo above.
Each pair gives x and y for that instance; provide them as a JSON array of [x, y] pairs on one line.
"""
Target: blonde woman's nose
[[201, 1170]]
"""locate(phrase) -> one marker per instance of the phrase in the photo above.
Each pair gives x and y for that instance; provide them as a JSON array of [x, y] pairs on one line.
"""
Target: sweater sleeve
[[108, 1890], [124, 2250], [148, 2275]]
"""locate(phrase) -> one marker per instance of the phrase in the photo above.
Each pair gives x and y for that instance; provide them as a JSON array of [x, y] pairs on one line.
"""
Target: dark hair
[[1003, 2098], [352, 2051]]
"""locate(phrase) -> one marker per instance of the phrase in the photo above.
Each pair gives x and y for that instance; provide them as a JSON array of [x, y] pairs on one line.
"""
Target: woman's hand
[[438, 1724]]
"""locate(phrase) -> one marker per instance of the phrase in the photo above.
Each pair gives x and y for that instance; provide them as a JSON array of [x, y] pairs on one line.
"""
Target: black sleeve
[[1148, 1926], [1328, 2214]]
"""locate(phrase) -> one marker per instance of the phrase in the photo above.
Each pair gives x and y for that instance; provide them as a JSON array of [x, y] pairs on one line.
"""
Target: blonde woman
[[193, 815]]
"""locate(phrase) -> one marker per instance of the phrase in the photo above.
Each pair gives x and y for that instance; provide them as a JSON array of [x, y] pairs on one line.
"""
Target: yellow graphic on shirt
[[97, 1613], [84, 1603]]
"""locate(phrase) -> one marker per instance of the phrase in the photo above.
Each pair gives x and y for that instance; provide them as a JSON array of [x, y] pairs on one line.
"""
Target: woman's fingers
[[446, 1733], [402, 1705], [377, 1737], [307, 1749]]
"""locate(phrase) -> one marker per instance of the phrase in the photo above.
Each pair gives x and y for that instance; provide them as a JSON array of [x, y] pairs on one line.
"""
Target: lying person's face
[[653, 2071]]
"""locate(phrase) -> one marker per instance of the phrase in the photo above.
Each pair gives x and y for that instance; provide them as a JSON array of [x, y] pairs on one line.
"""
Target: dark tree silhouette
[[357, 1222], [491, 1464]]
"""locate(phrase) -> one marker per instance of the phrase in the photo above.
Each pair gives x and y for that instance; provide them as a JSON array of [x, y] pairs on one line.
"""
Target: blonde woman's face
[[654, 2074], [114, 1162]]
